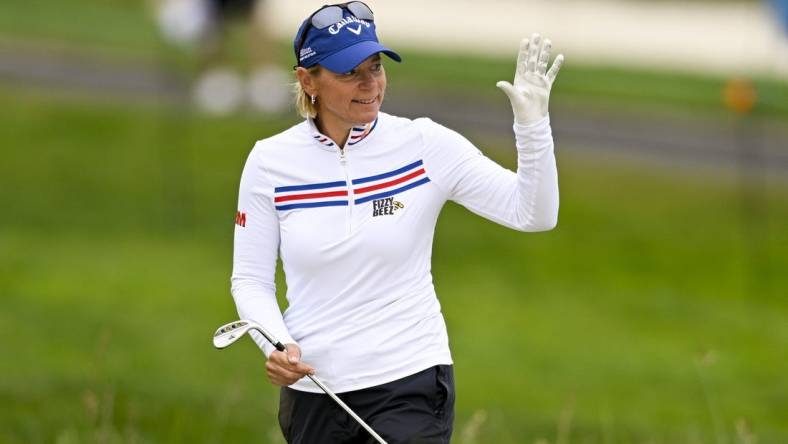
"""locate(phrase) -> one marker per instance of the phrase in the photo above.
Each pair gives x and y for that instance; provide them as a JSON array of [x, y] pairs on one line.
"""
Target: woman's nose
[[367, 79]]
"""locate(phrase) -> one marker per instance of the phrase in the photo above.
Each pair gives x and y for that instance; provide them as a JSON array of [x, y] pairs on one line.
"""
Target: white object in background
[[268, 89], [219, 91], [184, 22]]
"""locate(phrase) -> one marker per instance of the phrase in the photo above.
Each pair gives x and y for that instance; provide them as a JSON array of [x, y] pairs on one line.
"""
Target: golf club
[[227, 334]]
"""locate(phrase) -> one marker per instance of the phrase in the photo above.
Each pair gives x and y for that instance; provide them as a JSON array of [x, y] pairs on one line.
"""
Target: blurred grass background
[[654, 313]]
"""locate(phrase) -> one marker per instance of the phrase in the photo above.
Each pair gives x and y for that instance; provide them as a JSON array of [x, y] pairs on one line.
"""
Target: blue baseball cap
[[341, 46]]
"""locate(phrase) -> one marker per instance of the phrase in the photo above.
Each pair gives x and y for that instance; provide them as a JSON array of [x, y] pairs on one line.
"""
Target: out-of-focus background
[[655, 313]]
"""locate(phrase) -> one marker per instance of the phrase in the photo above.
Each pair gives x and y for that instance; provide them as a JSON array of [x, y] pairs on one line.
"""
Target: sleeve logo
[[240, 219]]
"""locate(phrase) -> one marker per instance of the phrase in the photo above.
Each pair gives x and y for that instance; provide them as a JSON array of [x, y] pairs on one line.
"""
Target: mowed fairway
[[655, 312]]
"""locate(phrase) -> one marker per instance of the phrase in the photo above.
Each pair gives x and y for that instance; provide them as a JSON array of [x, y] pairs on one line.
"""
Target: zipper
[[343, 162]]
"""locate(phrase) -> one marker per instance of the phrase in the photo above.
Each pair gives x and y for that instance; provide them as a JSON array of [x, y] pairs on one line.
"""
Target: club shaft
[[347, 409], [323, 387]]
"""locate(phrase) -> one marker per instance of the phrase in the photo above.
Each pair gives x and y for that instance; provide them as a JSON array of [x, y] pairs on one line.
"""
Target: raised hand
[[530, 93]]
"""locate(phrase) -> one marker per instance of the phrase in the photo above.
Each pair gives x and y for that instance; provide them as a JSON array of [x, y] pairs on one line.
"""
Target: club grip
[[279, 346]]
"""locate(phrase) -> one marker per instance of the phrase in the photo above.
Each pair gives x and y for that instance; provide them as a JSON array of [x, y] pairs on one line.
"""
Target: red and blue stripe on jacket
[[365, 189]]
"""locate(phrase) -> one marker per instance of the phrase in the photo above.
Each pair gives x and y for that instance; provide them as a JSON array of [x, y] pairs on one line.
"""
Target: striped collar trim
[[361, 133], [357, 134]]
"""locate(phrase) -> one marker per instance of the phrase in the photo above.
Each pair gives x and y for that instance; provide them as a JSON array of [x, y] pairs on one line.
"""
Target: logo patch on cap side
[[306, 53]]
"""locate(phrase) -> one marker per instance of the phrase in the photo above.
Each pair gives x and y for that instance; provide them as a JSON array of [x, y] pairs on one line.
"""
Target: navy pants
[[416, 409]]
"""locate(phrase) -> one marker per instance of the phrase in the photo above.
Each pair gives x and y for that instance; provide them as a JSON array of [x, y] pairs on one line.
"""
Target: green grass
[[124, 27], [655, 312]]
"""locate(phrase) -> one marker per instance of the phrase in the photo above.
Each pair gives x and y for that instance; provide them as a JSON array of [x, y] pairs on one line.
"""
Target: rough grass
[[655, 312]]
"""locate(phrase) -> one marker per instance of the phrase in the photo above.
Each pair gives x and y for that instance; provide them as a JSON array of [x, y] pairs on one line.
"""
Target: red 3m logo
[[240, 219]]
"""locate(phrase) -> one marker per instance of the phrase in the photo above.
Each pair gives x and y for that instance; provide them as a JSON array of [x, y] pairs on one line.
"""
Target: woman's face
[[352, 98]]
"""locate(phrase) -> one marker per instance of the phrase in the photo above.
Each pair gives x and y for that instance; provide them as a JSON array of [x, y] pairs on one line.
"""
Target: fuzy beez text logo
[[385, 206]]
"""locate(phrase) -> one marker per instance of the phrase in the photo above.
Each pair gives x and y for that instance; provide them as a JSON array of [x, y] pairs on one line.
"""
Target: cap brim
[[346, 59]]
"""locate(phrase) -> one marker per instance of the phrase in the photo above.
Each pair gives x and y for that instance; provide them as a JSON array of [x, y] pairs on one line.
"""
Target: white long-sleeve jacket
[[354, 229]]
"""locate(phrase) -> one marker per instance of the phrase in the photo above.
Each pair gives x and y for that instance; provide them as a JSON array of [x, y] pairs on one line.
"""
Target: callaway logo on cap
[[339, 37]]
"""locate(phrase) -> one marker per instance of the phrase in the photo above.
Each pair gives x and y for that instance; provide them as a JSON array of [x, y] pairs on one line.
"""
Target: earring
[[313, 100]]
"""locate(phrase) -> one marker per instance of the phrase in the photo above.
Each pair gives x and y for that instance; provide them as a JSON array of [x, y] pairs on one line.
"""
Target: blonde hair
[[303, 102]]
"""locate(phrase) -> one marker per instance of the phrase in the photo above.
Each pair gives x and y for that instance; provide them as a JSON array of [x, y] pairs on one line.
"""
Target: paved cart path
[[708, 37], [669, 140]]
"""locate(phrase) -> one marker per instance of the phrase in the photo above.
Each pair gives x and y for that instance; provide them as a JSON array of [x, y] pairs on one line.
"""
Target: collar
[[357, 134]]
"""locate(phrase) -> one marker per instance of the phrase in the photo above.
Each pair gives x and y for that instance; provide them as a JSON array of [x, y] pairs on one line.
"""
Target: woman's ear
[[307, 80]]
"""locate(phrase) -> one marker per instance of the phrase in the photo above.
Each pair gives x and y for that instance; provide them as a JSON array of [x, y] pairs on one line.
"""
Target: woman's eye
[[376, 67]]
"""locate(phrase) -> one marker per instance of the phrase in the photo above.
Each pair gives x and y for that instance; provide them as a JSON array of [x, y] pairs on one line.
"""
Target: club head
[[227, 334]]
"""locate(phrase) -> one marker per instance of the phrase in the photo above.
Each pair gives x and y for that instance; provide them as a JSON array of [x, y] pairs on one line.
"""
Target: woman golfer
[[348, 199]]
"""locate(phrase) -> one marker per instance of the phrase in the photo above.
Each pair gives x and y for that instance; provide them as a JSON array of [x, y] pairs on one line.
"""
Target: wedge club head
[[227, 334]]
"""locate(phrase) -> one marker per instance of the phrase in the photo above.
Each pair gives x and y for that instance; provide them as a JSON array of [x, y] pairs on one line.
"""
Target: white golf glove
[[532, 81]]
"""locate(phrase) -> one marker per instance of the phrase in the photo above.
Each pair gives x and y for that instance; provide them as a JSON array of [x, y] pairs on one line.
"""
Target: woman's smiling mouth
[[366, 102]]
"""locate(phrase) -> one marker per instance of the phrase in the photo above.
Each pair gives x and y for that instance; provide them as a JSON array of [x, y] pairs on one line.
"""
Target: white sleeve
[[255, 253], [525, 201]]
